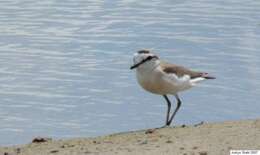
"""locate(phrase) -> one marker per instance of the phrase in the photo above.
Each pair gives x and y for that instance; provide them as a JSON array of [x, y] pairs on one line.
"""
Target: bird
[[162, 78]]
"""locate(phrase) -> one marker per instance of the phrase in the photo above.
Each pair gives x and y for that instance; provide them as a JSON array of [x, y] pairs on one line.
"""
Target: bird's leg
[[175, 111], [168, 109]]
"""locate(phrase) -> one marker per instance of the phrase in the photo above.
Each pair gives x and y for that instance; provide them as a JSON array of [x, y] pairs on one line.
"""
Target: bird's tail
[[202, 77]]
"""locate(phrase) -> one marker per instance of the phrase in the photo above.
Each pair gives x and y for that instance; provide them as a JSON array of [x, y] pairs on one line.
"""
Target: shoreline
[[202, 139]]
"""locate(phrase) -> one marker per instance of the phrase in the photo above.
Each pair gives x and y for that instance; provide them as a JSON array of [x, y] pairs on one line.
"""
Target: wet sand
[[204, 139]]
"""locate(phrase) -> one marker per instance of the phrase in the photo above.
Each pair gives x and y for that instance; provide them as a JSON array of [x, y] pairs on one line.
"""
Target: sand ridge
[[205, 139]]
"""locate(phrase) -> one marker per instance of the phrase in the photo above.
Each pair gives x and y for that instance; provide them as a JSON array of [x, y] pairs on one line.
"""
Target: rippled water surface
[[64, 65]]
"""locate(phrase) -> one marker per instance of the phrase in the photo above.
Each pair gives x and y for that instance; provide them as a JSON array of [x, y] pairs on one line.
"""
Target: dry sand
[[205, 139]]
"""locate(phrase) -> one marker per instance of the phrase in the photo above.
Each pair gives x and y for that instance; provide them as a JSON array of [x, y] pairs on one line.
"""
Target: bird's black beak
[[135, 66], [143, 61], [138, 64]]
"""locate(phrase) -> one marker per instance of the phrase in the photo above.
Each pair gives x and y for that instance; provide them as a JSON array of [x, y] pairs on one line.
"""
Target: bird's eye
[[149, 57]]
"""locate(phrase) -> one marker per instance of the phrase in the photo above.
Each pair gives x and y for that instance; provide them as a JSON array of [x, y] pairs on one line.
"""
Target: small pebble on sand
[[40, 140], [149, 131], [54, 151], [203, 153], [195, 147]]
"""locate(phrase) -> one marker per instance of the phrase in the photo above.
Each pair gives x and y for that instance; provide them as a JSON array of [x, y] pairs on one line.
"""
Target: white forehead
[[138, 57]]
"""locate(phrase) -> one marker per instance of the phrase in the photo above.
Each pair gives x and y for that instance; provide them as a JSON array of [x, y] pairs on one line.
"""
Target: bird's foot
[[165, 126], [149, 131]]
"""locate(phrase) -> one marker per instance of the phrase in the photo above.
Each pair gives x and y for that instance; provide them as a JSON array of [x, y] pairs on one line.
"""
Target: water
[[64, 65]]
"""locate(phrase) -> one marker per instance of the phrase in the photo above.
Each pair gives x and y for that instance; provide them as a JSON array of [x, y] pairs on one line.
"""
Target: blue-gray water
[[64, 65]]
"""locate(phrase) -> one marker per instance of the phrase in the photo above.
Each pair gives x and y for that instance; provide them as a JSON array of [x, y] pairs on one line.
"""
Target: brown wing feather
[[180, 70]]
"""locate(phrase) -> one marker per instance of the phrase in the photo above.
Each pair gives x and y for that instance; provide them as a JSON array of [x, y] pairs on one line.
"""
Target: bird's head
[[144, 59]]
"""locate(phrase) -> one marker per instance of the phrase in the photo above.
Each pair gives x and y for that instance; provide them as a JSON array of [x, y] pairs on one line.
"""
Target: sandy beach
[[202, 139]]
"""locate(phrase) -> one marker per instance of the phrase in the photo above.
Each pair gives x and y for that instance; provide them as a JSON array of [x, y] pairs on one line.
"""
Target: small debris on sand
[[203, 153], [149, 131], [41, 140], [18, 150], [96, 142], [201, 123], [54, 151], [195, 147], [144, 142]]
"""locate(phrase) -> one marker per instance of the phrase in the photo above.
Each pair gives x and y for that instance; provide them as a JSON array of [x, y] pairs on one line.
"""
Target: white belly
[[155, 83]]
